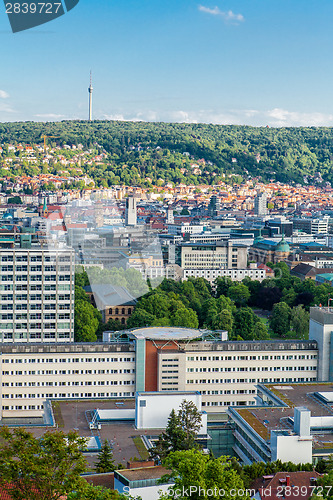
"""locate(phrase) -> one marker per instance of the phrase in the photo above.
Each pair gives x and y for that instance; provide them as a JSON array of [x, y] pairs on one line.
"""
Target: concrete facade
[[36, 295], [220, 255]]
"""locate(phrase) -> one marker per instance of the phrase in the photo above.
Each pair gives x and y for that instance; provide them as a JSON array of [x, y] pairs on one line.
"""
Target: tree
[[44, 468], [260, 331], [180, 432], [90, 492], [244, 321], [85, 322], [105, 459], [223, 320], [140, 318], [222, 285], [185, 317], [192, 470], [279, 320], [15, 200], [239, 293], [190, 421], [267, 296], [299, 322]]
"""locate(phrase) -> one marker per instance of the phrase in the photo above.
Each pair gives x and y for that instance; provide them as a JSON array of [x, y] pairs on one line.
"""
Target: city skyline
[[222, 62]]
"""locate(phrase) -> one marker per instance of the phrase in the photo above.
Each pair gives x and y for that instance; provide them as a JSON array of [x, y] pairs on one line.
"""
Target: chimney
[[287, 480]]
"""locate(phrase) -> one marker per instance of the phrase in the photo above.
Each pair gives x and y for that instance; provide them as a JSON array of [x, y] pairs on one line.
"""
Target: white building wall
[[153, 409], [28, 379], [320, 330], [294, 449], [229, 378], [234, 274]]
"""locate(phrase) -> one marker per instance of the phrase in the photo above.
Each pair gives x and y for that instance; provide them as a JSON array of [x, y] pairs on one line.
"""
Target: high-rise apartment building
[[130, 213], [36, 295], [260, 204]]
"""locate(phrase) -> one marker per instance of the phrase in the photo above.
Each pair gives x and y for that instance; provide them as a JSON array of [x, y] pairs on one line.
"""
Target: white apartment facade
[[36, 295], [235, 274]]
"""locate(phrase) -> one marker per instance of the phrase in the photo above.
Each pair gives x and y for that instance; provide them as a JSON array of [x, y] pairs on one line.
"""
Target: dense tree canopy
[[44, 468], [207, 477], [235, 307], [151, 153]]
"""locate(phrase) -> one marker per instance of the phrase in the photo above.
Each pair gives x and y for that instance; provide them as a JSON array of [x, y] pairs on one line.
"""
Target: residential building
[[36, 295], [260, 204], [130, 213], [210, 275]]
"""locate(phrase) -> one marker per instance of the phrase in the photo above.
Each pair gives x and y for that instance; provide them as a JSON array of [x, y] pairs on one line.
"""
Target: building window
[[110, 311]]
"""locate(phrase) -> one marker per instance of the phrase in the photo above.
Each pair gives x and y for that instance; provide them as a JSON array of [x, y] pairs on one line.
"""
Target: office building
[[219, 255], [226, 373]]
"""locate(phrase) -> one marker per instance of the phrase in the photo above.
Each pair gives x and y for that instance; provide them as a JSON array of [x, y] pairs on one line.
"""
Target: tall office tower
[[36, 295], [260, 204], [130, 214], [170, 218], [214, 206], [90, 90]]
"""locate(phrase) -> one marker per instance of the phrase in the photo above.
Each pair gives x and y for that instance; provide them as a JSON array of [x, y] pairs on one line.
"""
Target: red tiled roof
[[271, 488]]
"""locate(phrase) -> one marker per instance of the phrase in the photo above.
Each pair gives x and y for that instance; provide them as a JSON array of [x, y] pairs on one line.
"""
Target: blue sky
[[253, 62]]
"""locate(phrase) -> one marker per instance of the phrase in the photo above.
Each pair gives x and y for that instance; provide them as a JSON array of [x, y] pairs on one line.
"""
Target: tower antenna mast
[[90, 90]]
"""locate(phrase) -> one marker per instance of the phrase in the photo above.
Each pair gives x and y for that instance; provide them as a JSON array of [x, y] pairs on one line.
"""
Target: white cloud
[[273, 117], [3, 94], [50, 116], [228, 16], [283, 118]]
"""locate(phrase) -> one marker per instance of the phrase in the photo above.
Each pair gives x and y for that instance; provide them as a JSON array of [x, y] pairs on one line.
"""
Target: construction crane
[[50, 136]]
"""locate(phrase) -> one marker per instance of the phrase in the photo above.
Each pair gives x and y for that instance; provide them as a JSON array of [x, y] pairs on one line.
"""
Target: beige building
[[227, 373], [219, 255], [31, 374]]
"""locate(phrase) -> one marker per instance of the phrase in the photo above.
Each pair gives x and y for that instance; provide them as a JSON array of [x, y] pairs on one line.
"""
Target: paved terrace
[[263, 420]]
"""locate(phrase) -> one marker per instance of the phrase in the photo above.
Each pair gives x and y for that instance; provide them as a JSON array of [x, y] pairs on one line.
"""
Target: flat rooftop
[[166, 333], [265, 419], [155, 472]]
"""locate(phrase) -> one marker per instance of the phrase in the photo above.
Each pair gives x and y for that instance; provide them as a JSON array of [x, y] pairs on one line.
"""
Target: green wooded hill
[[137, 150]]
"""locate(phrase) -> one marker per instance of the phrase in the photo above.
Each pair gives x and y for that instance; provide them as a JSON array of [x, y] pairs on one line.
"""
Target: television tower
[[90, 90]]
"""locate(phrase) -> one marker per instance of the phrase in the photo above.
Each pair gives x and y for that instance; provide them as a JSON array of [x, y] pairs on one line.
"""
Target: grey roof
[[111, 295], [166, 333]]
